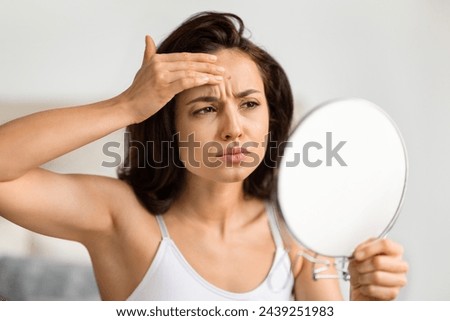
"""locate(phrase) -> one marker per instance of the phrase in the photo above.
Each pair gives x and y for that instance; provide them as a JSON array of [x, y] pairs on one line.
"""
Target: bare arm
[[65, 206], [68, 206], [33, 140], [308, 289]]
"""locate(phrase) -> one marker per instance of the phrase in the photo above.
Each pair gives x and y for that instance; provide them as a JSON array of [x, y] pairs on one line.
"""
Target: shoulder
[[111, 193], [117, 192], [123, 206], [129, 219], [122, 200]]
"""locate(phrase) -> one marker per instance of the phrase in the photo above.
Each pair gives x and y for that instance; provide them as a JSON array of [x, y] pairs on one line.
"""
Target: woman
[[190, 218]]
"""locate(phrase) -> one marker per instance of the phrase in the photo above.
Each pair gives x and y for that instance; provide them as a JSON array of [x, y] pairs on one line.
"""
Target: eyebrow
[[211, 99]]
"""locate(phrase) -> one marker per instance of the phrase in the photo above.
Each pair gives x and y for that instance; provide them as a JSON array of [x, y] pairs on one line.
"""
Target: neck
[[218, 206]]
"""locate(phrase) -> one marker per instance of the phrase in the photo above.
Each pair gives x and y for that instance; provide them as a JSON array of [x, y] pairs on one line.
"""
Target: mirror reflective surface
[[343, 176]]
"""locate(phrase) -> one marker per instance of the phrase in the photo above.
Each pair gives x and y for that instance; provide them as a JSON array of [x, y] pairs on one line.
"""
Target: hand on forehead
[[241, 75]]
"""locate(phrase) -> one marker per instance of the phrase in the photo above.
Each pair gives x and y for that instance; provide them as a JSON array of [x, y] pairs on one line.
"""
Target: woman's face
[[222, 128]]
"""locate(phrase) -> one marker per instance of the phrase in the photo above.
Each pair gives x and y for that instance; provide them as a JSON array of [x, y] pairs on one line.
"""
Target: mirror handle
[[319, 272]]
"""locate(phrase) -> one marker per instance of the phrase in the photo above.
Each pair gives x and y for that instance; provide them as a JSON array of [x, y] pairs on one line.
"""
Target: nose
[[231, 127]]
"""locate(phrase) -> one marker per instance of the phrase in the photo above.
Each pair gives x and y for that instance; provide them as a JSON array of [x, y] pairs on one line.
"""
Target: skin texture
[[223, 235]]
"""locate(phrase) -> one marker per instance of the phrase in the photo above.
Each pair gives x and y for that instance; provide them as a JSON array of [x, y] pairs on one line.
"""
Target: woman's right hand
[[162, 76]]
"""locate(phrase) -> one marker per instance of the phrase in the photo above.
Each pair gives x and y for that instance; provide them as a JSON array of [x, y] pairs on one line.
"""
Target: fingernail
[[212, 58], [219, 78], [220, 69]]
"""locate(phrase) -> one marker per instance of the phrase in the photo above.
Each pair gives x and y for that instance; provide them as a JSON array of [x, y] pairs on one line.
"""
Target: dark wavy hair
[[158, 186]]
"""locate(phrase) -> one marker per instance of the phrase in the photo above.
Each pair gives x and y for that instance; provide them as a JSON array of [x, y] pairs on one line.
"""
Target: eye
[[250, 104], [205, 110]]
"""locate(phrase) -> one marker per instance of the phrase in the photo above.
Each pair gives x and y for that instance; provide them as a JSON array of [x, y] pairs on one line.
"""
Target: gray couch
[[38, 279]]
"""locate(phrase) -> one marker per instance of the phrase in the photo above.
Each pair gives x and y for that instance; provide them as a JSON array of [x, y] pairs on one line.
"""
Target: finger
[[150, 49], [188, 56], [382, 278], [175, 76], [377, 292], [353, 271], [361, 246], [194, 66], [376, 247], [191, 82], [381, 263]]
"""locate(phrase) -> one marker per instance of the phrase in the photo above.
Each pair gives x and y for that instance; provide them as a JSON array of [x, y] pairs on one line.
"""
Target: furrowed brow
[[206, 99], [246, 93], [212, 99]]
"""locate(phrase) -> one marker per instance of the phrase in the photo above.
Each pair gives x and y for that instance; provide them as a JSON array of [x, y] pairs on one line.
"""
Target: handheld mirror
[[342, 178]]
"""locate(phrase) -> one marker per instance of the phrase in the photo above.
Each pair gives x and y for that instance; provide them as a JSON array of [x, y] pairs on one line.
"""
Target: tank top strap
[[274, 227], [162, 226]]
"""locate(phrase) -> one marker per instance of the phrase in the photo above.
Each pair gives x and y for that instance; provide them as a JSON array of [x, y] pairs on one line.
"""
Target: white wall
[[394, 53]]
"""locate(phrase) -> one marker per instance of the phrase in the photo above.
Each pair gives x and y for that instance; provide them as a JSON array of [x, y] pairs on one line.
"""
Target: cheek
[[260, 124], [182, 126], [191, 138]]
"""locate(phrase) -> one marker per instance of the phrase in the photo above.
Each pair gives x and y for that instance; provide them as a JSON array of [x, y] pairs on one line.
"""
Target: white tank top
[[170, 277]]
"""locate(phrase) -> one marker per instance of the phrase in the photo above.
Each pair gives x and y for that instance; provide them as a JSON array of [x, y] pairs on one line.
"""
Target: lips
[[230, 151], [233, 155]]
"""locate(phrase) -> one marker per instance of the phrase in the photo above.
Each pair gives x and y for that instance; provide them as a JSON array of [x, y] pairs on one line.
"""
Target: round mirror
[[342, 178]]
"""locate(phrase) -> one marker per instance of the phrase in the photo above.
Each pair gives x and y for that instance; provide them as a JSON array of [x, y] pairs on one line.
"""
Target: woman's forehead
[[238, 65], [241, 75]]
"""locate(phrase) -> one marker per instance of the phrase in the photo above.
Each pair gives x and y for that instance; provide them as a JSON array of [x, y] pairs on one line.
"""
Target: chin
[[226, 175]]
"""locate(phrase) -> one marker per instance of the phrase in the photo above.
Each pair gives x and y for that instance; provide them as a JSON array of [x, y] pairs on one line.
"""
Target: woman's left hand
[[377, 270]]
